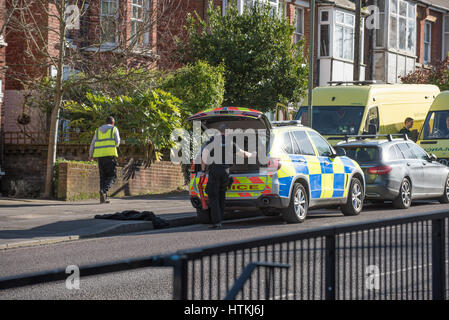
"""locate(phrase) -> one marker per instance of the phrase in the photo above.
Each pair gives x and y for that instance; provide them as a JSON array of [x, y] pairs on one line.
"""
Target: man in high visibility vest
[[104, 149]]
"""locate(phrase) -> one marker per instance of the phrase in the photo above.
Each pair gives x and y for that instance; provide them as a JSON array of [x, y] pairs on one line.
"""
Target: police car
[[296, 169]]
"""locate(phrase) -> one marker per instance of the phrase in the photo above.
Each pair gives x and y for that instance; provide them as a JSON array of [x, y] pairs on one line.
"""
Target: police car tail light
[[274, 163], [379, 170]]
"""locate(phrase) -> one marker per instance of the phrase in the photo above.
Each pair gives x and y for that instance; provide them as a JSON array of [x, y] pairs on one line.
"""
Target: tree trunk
[[51, 153], [54, 123]]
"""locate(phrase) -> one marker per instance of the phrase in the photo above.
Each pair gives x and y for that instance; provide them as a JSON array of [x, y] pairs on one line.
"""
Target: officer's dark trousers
[[216, 190], [108, 172]]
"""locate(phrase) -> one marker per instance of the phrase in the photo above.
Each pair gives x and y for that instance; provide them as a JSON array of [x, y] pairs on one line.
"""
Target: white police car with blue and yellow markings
[[301, 170]]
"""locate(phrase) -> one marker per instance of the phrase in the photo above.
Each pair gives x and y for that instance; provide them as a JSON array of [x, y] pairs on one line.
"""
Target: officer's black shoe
[[215, 226]]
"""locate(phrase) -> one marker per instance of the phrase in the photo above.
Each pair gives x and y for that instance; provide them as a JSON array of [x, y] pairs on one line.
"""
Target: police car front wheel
[[296, 212]]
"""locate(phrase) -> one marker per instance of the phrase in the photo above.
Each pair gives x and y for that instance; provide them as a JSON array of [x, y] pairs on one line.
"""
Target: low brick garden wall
[[81, 181]]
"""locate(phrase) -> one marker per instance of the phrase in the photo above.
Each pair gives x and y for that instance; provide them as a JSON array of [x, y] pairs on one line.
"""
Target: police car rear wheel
[[354, 202], [298, 206], [445, 197]]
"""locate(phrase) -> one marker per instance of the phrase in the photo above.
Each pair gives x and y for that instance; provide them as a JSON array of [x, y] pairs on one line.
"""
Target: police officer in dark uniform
[[218, 169]]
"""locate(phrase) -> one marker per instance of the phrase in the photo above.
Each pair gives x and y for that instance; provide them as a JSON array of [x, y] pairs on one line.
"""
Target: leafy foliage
[[438, 76], [199, 86], [262, 65], [147, 118]]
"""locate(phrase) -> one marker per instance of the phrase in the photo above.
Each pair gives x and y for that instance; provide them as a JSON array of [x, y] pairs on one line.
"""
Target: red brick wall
[[81, 181], [2, 70], [436, 38]]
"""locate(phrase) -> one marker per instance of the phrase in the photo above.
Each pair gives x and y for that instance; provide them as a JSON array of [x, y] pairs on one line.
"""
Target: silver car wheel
[[356, 196], [447, 187], [300, 204], [406, 193]]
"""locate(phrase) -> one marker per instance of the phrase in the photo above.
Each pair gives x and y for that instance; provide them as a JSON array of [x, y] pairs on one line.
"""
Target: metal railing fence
[[387, 259]]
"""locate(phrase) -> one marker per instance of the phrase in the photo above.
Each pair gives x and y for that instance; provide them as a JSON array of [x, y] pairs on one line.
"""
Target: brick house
[[385, 52]]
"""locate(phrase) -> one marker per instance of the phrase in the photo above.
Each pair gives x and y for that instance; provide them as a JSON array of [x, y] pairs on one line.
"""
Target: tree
[[438, 76], [70, 36], [262, 65], [199, 86]]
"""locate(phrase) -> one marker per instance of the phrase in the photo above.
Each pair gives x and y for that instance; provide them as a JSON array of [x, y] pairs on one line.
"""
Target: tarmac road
[[155, 283]]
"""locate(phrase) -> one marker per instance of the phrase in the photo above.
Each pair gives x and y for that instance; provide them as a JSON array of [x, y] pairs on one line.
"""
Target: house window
[[446, 37], [108, 20], [427, 41], [299, 24], [324, 34], [140, 22], [402, 26], [380, 32], [344, 35], [276, 5]]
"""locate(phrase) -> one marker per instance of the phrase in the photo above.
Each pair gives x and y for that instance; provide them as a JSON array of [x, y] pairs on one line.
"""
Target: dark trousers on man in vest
[[108, 172], [216, 191]]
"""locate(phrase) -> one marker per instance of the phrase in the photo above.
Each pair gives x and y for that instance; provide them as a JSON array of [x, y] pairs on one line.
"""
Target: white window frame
[[345, 27], [382, 16], [408, 19], [427, 43], [299, 34], [109, 14], [444, 33], [144, 6], [330, 31], [275, 4]]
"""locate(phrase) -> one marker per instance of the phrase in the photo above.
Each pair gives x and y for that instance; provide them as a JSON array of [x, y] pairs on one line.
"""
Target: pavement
[[32, 222]]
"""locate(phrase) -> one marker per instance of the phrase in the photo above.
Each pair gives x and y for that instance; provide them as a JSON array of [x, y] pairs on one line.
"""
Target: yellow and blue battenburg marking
[[328, 178]]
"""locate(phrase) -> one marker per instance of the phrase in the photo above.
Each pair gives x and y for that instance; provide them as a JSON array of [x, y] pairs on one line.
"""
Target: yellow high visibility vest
[[105, 144]]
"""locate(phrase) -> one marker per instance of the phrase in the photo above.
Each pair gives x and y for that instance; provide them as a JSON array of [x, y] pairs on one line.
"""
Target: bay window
[[344, 35], [402, 26], [324, 34]]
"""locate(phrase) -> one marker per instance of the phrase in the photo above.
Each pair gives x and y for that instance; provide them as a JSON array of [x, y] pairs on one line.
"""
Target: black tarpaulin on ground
[[158, 222]]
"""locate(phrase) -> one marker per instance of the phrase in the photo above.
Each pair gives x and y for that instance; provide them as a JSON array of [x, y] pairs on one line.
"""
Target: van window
[[321, 145], [436, 125], [329, 120], [303, 141], [372, 118]]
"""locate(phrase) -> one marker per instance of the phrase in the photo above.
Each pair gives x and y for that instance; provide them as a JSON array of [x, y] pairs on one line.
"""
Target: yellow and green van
[[367, 109], [434, 136]]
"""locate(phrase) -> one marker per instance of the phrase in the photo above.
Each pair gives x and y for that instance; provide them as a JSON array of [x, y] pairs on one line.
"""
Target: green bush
[[147, 118], [199, 86]]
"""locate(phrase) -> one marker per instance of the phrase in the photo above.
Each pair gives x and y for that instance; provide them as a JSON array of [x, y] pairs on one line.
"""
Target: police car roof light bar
[[286, 123]]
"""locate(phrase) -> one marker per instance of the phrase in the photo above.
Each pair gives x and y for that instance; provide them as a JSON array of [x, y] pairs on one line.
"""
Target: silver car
[[398, 170]]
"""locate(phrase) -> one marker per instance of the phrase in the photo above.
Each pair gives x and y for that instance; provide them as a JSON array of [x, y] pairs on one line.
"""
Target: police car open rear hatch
[[235, 118], [248, 182]]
